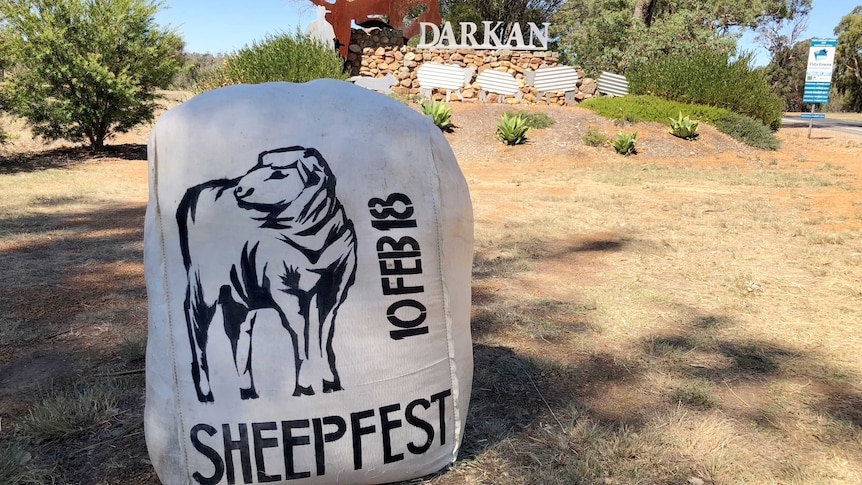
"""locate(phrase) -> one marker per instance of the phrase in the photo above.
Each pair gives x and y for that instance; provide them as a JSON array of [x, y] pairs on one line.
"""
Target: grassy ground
[[687, 315]]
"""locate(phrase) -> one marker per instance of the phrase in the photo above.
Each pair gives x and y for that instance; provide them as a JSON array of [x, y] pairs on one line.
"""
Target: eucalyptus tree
[[507, 12], [621, 34], [848, 60]]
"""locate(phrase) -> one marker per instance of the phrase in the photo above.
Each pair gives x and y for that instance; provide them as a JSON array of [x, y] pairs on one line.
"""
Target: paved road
[[829, 124]]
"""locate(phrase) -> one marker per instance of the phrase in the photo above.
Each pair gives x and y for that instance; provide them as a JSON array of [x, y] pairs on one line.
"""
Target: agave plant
[[624, 143], [512, 129], [439, 113], [684, 128]]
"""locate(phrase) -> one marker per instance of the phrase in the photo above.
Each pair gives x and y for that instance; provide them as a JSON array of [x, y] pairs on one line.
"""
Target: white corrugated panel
[[432, 75], [615, 84], [497, 82], [560, 78]]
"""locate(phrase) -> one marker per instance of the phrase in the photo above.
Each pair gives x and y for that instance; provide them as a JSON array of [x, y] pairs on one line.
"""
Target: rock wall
[[381, 52]]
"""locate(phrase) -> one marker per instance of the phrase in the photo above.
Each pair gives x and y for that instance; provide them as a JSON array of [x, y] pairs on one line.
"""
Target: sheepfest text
[[221, 445]]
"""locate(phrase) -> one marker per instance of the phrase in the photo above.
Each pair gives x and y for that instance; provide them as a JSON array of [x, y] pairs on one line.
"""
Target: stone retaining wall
[[381, 52]]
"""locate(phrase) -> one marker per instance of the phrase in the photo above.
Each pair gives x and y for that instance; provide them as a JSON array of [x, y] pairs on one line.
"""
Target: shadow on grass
[[504, 400], [59, 158], [75, 281], [534, 377], [87, 257], [520, 254]]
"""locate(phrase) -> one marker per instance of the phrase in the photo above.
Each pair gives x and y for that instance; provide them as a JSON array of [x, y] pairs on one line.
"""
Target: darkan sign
[[533, 38]]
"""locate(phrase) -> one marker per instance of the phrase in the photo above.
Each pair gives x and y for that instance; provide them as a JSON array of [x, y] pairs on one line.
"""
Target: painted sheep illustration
[[276, 238]]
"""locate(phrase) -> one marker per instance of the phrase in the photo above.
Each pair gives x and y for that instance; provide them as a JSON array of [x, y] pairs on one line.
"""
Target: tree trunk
[[644, 11], [857, 70]]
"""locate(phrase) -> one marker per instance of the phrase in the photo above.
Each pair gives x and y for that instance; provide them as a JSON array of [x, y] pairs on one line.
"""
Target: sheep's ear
[[310, 177], [312, 159], [310, 167]]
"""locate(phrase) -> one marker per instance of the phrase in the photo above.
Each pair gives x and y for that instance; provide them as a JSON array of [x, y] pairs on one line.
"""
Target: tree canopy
[[786, 73], [620, 34], [86, 68], [848, 60], [290, 57], [505, 11]]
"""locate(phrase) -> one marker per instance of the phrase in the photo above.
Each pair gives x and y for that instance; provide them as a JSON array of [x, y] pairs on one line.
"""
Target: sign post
[[818, 75]]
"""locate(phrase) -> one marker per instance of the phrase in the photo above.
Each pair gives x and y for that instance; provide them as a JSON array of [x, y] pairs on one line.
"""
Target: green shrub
[[625, 143], [594, 137], [512, 129], [439, 113], [684, 128], [747, 130], [85, 69], [283, 57], [649, 108], [743, 128], [537, 120], [710, 77]]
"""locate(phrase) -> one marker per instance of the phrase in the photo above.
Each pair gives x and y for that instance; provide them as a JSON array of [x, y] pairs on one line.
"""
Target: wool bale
[[308, 250]]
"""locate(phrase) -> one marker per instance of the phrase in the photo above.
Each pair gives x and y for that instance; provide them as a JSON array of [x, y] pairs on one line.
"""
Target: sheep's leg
[[331, 381], [294, 318], [238, 325], [242, 357], [198, 318], [345, 269], [309, 374], [314, 369]]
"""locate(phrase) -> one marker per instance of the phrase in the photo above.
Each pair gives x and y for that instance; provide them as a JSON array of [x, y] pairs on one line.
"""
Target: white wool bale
[[308, 250]]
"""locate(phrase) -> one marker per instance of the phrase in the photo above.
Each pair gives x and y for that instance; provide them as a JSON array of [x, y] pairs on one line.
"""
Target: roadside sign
[[812, 115], [818, 75]]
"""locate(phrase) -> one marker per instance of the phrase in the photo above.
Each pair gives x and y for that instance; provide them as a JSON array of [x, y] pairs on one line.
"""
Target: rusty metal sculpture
[[342, 12]]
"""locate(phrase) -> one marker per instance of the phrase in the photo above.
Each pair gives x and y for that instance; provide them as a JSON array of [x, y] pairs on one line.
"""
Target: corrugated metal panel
[[559, 78], [449, 77], [615, 84], [497, 82], [432, 75]]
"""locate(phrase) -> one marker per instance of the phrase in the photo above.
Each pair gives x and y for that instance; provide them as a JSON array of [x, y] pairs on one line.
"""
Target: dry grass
[[692, 313], [690, 319]]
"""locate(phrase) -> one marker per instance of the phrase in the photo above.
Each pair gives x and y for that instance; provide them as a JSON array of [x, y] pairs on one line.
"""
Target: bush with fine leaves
[[710, 77], [84, 69], [284, 57], [747, 130]]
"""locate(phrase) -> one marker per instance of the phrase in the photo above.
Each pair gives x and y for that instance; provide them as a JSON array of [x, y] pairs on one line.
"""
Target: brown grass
[[689, 313]]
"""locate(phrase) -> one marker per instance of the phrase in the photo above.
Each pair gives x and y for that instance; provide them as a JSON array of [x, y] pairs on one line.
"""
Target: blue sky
[[226, 25]]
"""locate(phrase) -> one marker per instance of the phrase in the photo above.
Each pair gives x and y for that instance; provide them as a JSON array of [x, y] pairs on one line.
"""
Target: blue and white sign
[[818, 76]]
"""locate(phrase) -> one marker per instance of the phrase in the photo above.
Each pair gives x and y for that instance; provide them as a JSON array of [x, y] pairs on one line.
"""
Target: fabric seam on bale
[[179, 422], [447, 314]]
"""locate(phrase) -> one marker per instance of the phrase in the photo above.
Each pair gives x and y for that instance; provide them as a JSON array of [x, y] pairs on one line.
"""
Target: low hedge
[[744, 128]]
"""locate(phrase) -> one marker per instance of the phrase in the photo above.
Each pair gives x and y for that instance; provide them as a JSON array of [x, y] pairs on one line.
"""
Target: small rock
[[695, 481]]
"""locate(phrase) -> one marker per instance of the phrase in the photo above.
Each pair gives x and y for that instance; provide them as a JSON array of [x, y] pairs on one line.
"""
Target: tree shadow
[[527, 372], [504, 399], [521, 254], [67, 157], [548, 319], [88, 256]]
